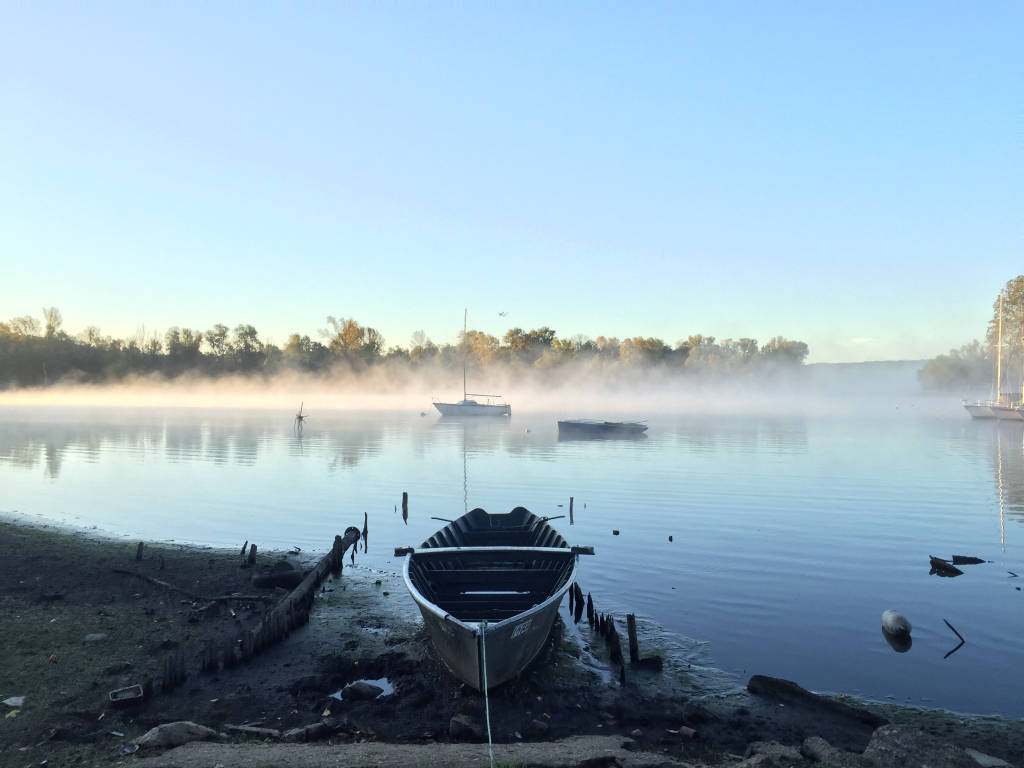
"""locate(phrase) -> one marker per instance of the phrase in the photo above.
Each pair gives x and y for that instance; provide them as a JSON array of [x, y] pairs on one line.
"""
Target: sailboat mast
[[999, 353]]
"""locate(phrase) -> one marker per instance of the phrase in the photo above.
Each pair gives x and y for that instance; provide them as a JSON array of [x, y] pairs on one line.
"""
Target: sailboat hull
[[979, 410], [473, 409], [1008, 412]]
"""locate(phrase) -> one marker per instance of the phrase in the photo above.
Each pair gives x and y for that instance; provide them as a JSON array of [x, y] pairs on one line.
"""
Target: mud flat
[[81, 617]]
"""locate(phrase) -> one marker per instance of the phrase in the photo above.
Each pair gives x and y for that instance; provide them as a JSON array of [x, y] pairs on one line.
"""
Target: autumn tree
[[781, 350]]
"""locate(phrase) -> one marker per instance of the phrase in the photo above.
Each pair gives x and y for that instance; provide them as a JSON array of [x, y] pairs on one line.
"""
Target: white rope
[[487, 705]]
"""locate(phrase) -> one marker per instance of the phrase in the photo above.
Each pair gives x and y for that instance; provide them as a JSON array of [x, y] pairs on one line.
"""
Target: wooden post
[[366, 530], [252, 554], [634, 647], [405, 506], [590, 610], [138, 551], [570, 511]]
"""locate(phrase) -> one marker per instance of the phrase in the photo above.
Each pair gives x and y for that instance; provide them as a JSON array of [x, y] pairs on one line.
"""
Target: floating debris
[[943, 568], [966, 560]]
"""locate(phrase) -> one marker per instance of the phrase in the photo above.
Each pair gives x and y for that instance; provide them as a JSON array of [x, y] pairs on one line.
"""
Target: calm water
[[791, 534]]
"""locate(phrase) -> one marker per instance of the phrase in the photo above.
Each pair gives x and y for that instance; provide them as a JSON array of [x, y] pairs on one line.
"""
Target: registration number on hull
[[521, 628]]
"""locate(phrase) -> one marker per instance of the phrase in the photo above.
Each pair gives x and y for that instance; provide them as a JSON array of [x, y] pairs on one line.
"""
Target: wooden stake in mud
[[241, 555], [405, 507], [252, 554], [138, 551], [634, 647], [366, 530], [590, 610], [570, 511]]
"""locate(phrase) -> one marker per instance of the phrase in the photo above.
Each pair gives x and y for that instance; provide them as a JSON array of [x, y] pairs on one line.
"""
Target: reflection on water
[[1008, 468], [29, 444], [771, 543]]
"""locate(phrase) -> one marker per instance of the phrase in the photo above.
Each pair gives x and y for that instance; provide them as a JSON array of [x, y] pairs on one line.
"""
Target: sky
[[847, 174]]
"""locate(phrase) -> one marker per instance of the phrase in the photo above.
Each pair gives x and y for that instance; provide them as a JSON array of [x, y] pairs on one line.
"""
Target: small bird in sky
[[502, 314]]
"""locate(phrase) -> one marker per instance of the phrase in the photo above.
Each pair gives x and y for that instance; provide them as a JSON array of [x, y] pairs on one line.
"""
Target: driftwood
[[292, 611], [187, 593], [957, 635], [943, 567], [252, 730], [966, 560]]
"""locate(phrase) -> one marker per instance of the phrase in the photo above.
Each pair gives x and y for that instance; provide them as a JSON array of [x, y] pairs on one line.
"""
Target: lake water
[[790, 533]]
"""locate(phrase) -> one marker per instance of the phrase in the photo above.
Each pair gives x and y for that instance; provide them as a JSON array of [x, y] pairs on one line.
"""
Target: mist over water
[[799, 509], [579, 389]]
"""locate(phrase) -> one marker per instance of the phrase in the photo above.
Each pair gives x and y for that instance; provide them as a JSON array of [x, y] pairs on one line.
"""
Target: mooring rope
[[487, 705]]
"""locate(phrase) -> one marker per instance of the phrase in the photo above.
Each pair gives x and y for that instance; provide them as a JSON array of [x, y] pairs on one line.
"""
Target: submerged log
[[289, 613]]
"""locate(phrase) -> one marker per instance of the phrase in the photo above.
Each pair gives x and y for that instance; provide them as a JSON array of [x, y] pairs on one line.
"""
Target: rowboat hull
[[507, 646], [488, 588], [589, 428]]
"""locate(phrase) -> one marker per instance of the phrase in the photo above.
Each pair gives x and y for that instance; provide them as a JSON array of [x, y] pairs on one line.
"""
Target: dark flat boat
[[589, 427], [488, 587]]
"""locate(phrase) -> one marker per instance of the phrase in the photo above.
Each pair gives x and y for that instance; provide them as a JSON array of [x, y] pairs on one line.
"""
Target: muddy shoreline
[[83, 617]]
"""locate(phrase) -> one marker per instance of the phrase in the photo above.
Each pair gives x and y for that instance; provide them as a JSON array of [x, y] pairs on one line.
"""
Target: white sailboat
[[1004, 407], [467, 406]]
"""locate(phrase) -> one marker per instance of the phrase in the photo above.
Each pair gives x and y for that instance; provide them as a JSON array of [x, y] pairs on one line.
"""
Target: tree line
[[972, 367], [37, 352]]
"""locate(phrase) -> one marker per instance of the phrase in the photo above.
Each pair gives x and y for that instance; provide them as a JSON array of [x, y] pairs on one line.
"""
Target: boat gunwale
[[474, 627], [491, 549]]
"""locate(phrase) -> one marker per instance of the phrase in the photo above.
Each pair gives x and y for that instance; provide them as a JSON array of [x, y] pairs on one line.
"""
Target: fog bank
[[574, 391]]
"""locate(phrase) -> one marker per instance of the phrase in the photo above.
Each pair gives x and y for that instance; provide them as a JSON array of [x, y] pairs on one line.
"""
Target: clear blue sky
[[845, 174]]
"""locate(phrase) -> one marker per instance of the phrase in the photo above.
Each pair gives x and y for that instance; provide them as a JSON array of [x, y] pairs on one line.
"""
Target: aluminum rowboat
[[489, 586]]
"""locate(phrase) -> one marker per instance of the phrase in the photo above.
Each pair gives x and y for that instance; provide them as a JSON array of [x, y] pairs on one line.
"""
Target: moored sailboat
[[1007, 406], [467, 406]]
